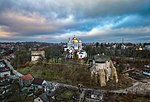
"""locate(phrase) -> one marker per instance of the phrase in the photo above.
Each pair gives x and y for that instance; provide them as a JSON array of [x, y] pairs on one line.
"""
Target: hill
[[71, 74]]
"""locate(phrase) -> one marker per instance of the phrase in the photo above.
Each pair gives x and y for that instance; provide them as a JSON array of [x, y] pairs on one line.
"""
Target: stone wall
[[103, 72]]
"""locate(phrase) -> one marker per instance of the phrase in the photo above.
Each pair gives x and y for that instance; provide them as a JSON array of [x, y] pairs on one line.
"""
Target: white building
[[36, 55], [5, 71], [75, 45], [147, 47]]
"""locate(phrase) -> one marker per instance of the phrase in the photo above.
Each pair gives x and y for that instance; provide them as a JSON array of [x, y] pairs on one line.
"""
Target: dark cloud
[[133, 21], [37, 19]]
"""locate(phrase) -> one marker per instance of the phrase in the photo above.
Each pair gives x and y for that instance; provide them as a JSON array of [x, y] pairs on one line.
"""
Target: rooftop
[[27, 77], [37, 81], [3, 66], [101, 58]]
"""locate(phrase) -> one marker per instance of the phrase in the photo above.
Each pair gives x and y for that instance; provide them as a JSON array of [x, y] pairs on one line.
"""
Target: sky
[[88, 20]]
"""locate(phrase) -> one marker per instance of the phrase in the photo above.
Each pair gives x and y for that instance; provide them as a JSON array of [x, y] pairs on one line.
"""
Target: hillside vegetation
[[65, 73], [71, 74]]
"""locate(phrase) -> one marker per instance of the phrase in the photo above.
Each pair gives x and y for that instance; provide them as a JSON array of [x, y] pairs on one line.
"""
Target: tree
[[54, 51], [75, 55], [21, 58], [97, 44]]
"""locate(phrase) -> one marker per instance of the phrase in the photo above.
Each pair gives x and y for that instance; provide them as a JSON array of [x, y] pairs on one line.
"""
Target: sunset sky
[[89, 20]]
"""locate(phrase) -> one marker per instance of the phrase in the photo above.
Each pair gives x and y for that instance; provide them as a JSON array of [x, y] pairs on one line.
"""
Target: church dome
[[75, 39], [79, 41], [69, 40]]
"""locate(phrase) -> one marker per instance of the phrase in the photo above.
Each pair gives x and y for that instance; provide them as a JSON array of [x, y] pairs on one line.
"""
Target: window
[[2, 65]]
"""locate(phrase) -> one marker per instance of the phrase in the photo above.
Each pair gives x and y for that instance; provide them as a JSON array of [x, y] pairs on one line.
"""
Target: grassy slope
[[75, 74], [71, 74]]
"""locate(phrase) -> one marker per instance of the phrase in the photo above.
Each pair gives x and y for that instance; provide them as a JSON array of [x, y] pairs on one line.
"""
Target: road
[[138, 88]]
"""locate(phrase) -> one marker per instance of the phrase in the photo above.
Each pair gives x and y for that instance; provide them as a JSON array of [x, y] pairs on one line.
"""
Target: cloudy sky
[[89, 20]]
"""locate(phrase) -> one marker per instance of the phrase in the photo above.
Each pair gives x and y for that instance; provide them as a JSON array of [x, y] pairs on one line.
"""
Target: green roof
[[101, 58]]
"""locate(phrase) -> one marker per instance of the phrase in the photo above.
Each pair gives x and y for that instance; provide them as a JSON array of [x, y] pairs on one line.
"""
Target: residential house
[[42, 98], [147, 47], [26, 80], [36, 55], [39, 84], [5, 71]]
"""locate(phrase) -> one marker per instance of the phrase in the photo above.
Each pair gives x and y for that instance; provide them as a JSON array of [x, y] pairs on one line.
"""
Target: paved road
[[138, 88]]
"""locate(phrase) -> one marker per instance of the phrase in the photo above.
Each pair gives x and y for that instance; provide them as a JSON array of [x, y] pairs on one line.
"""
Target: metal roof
[[101, 58]]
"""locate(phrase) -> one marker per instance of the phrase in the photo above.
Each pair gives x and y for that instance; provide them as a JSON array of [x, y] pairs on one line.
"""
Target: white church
[[75, 45]]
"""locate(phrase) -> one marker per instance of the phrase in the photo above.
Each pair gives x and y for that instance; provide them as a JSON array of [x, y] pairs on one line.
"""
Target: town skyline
[[90, 21]]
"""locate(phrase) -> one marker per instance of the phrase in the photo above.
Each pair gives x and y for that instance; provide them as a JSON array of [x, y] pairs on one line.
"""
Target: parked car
[[147, 66]]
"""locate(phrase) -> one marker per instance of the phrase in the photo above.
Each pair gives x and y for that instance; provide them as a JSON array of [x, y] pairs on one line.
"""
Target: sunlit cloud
[[56, 21]]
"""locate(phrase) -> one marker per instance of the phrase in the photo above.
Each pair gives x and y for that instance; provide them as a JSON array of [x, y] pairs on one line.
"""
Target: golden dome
[[69, 40], [79, 41], [75, 40]]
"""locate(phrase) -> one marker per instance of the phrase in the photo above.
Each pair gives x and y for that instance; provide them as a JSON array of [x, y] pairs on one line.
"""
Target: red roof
[[27, 77], [2, 78]]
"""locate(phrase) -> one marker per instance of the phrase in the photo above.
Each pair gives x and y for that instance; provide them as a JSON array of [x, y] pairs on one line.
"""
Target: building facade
[[36, 55], [75, 46], [5, 71]]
